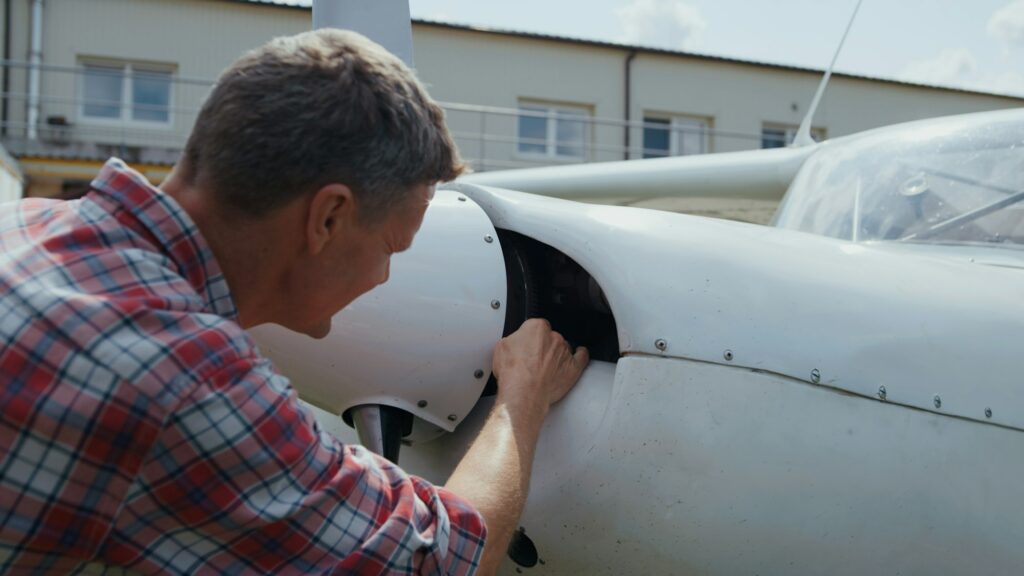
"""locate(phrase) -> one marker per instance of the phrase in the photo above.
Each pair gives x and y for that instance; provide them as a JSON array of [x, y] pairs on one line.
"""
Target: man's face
[[360, 259]]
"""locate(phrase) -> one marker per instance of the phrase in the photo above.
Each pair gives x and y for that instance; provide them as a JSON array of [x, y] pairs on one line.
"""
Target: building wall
[[11, 180], [481, 76], [500, 71], [741, 98], [195, 38]]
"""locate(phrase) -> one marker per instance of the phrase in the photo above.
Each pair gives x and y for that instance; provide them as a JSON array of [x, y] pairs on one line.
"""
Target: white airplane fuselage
[[743, 429], [764, 400]]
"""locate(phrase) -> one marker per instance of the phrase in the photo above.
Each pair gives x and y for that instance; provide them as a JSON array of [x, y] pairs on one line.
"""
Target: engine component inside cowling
[[544, 283]]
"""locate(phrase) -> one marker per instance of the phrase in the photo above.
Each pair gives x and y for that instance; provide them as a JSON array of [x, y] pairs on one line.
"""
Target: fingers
[[536, 361], [581, 357]]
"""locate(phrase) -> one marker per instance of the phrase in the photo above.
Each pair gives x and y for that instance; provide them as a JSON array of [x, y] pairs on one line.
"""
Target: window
[[676, 136], [782, 135], [125, 92], [553, 131]]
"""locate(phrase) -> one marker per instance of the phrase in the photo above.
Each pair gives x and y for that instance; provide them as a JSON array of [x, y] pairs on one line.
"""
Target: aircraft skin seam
[[834, 389]]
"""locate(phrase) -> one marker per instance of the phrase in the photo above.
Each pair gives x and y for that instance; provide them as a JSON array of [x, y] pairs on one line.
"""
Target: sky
[[971, 44]]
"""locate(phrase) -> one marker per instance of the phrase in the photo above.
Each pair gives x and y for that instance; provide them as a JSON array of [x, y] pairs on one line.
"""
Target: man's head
[[331, 139]]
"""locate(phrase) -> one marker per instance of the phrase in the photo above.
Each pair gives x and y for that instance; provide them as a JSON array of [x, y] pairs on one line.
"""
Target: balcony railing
[[77, 123]]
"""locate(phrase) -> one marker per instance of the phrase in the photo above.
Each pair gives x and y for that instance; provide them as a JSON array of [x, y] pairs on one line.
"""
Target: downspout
[[7, 68], [628, 111], [35, 62]]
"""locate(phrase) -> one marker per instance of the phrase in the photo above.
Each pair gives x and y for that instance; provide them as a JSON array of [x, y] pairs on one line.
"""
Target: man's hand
[[535, 369]]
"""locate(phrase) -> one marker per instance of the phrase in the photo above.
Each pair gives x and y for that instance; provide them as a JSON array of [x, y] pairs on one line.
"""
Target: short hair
[[321, 107]]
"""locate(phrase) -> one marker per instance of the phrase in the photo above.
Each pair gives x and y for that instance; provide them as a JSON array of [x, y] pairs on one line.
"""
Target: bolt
[[988, 412], [452, 417], [422, 403], [478, 374], [488, 238], [728, 355], [881, 392], [660, 344], [462, 198], [937, 401], [495, 304], [815, 376]]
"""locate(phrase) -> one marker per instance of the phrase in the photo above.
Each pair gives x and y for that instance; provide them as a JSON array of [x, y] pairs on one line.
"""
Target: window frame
[[551, 117], [818, 133], [675, 129], [129, 70]]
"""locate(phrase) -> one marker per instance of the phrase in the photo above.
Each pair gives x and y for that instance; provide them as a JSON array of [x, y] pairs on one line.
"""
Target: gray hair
[[322, 107]]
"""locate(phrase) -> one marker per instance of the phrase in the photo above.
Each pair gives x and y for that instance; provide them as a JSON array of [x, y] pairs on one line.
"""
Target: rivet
[[478, 374], [727, 355], [495, 304], [488, 238], [452, 417], [422, 403], [882, 392], [660, 344], [988, 412], [815, 376], [937, 401], [462, 198]]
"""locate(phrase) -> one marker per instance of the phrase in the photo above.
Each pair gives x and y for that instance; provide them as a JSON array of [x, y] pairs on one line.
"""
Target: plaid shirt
[[142, 428]]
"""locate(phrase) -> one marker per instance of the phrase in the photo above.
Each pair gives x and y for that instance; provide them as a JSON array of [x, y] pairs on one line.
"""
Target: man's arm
[[535, 368]]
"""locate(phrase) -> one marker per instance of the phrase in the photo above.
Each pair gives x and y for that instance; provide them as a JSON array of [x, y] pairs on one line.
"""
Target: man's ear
[[331, 210]]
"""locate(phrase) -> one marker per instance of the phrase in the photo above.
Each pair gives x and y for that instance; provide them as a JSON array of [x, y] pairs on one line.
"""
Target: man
[[142, 428]]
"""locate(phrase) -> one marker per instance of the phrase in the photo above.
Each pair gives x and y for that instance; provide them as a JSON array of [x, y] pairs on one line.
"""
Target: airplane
[[837, 393]]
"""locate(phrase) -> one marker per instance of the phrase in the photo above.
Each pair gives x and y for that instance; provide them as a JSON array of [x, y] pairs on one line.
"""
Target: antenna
[[803, 135]]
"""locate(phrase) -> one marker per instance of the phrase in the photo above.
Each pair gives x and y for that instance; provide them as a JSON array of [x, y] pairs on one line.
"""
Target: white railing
[[488, 137]]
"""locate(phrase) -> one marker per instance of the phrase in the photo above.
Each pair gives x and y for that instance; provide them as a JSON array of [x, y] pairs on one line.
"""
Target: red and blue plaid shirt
[[142, 428]]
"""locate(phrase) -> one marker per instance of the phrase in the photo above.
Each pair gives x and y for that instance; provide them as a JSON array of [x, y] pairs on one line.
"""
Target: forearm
[[495, 474]]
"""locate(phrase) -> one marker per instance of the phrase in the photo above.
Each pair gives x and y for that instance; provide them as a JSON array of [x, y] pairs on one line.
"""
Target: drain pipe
[[628, 111], [35, 59]]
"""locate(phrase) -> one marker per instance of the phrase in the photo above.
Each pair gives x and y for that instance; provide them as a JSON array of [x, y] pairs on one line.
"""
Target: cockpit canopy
[[946, 181]]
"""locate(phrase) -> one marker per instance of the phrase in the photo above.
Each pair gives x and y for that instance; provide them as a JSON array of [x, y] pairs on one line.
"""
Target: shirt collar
[[164, 219]]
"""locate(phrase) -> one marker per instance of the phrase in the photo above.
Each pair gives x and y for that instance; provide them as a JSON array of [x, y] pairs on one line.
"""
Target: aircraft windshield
[[947, 181]]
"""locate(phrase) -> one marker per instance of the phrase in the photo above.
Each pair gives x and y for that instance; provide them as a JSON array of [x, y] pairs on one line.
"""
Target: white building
[[126, 78]]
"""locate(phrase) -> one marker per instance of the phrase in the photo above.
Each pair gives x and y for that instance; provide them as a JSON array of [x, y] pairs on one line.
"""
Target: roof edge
[[640, 49]]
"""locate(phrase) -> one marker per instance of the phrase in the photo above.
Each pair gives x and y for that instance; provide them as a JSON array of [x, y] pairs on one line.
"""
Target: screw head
[[815, 376], [452, 417], [488, 238], [661, 344], [882, 392], [937, 401], [422, 403], [988, 412], [495, 304], [478, 374], [727, 355]]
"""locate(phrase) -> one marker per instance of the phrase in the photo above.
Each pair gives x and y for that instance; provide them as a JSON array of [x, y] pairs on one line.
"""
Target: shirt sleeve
[[243, 480]]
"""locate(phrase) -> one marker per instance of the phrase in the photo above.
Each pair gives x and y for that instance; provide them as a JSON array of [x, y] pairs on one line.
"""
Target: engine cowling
[[421, 343]]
